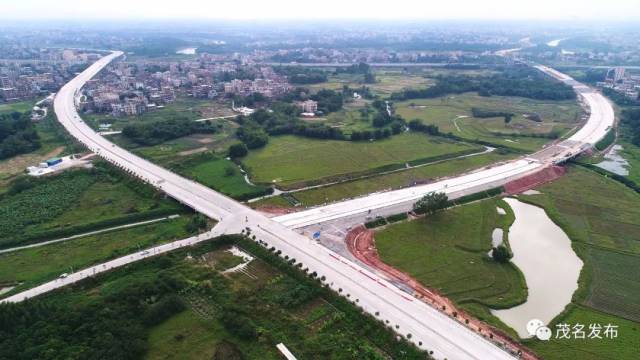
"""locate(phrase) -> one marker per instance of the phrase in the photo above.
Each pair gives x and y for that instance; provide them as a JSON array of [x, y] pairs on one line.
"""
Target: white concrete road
[[601, 119], [430, 329]]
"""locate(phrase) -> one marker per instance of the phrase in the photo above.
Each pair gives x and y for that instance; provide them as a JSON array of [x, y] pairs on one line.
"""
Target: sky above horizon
[[327, 9]]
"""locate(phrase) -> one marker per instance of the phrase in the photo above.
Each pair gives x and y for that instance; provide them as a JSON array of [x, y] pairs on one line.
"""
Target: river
[[542, 251]]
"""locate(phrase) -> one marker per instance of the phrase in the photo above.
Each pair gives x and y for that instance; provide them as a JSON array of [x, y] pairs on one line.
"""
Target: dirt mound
[[536, 179]]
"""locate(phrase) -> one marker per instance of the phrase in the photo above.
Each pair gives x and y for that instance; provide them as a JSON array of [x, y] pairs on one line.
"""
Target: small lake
[[187, 51], [542, 251], [614, 162]]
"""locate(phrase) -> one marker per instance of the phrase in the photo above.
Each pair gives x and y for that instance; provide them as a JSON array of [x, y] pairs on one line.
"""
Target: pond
[[614, 162], [542, 251]]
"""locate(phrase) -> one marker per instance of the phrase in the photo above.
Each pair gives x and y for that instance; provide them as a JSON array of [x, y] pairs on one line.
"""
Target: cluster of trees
[[302, 75], [431, 203], [368, 134], [17, 135], [523, 82], [109, 326], [328, 100], [619, 98], [631, 120], [250, 100], [501, 254], [164, 130], [482, 113], [417, 125], [360, 68]]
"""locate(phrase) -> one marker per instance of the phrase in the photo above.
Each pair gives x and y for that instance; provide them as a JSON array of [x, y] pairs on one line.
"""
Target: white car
[[63, 275]]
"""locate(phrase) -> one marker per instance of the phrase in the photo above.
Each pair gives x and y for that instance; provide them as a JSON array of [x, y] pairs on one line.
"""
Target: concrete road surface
[[429, 328]]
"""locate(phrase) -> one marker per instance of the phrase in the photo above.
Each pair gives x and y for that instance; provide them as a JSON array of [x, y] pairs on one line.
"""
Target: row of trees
[[17, 135], [521, 82], [302, 75], [159, 131]]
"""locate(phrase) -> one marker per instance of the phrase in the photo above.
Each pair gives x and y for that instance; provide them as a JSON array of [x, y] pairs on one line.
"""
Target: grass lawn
[[21, 106], [37, 265], [625, 346], [631, 153], [184, 336], [436, 252], [453, 114], [395, 180], [292, 162]]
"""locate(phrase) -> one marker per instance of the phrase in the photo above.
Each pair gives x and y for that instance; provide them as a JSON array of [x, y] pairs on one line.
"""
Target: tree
[[508, 118], [229, 171], [238, 150], [501, 254], [431, 203]]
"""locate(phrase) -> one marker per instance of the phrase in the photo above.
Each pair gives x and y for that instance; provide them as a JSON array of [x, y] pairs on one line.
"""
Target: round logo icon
[[543, 333], [533, 325]]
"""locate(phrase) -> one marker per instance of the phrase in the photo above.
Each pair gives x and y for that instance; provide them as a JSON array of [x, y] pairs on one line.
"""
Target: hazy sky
[[324, 9]]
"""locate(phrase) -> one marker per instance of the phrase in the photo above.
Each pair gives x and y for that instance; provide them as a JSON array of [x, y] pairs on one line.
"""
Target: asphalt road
[[429, 328]]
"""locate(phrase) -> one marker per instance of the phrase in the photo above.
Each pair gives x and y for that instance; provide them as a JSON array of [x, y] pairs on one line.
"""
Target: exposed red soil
[[361, 243], [270, 210], [536, 179]]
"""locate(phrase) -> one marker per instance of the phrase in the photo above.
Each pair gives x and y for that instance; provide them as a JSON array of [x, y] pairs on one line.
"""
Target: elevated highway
[[429, 328]]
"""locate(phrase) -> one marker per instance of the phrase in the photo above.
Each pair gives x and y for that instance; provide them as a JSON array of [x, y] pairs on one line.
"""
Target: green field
[[631, 153], [453, 114], [37, 265], [21, 106], [212, 172], [292, 162], [180, 307], [436, 252], [74, 202], [624, 347], [394, 180], [387, 82]]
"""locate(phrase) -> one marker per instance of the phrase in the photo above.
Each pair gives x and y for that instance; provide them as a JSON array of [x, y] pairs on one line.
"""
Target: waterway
[[542, 251], [614, 162]]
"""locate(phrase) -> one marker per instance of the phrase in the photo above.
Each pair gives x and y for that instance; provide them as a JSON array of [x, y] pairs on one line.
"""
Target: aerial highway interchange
[[430, 328]]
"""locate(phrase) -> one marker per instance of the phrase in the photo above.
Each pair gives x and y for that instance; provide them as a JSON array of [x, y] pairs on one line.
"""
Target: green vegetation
[[219, 174], [434, 251], [522, 82], [33, 266], [602, 219], [20, 107], [292, 162], [171, 302], [607, 140], [75, 202], [394, 180], [525, 131], [163, 130], [431, 203], [18, 134], [302, 75], [625, 346]]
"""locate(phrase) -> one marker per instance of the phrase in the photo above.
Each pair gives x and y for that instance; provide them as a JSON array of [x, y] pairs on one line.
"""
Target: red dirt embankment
[[361, 243], [536, 179]]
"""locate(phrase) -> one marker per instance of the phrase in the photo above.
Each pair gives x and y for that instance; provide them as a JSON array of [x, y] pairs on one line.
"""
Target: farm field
[[434, 251], [453, 114], [387, 82], [631, 153], [292, 162], [184, 307], [75, 202], [55, 259], [394, 180]]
